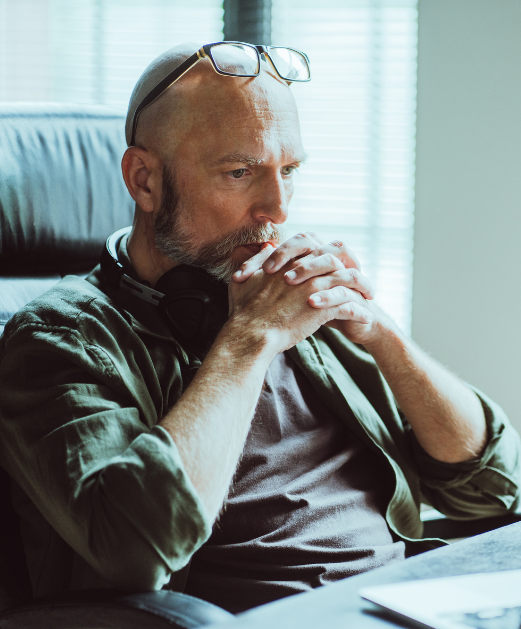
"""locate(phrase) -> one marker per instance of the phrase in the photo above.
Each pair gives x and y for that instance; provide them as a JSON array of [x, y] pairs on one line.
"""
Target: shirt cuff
[[440, 474]]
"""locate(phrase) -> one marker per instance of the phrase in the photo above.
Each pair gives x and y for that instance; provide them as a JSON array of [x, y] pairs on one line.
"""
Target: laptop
[[478, 601]]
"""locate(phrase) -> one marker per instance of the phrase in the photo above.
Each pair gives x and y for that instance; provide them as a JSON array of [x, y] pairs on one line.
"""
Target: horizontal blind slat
[[92, 51]]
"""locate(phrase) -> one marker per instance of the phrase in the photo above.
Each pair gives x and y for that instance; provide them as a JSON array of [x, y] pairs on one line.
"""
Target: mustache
[[223, 248]]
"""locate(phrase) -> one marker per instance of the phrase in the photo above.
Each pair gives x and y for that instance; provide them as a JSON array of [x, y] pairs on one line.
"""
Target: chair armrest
[[104, 609]]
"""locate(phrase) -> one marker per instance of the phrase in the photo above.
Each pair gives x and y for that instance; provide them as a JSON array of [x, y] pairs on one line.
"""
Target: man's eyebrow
[[236, 158], [249, 160]]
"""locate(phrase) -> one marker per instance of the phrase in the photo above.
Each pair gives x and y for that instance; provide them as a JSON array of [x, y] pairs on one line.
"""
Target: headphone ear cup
[[195, 306], [188, 313]]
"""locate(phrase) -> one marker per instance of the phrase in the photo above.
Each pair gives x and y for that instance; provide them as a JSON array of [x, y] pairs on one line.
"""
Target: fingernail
[[269, 264], [316, 299], [291, 275], [238, 273]]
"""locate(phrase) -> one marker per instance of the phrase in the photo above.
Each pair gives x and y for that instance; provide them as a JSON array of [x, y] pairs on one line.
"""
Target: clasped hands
[[302, 285]]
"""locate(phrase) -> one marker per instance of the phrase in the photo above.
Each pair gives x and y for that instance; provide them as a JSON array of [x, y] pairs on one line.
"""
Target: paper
[[481, 601]]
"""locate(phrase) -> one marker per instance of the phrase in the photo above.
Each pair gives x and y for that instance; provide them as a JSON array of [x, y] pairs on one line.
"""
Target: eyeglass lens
[[290, 64], [236, 59]]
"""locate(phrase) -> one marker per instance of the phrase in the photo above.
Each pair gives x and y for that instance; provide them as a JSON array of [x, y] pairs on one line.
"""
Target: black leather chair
[[61, 195]]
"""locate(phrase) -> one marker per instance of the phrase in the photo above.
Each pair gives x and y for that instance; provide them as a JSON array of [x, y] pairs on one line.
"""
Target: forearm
[[210, 422], [445, 415]]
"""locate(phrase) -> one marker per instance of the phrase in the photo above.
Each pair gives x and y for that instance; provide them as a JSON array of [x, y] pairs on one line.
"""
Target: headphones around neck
[[194, 305]]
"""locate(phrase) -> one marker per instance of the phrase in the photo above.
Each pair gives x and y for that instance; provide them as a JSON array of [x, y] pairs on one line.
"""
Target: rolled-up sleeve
[[483, 487], [109, 480]]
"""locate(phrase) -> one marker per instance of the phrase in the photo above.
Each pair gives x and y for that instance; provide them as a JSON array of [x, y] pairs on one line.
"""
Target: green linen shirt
[[87, 372]]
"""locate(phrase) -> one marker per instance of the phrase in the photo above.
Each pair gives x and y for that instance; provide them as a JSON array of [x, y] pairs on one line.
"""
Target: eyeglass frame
[[205, 52]]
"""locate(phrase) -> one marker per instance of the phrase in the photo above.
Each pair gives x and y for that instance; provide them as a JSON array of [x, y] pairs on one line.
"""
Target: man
[[305, 432]]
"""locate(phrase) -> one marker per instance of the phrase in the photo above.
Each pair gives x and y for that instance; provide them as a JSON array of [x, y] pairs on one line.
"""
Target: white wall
[[467, 256]]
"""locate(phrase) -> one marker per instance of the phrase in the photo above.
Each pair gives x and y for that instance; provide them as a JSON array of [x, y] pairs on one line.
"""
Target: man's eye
[[237, 174], [288, 170]]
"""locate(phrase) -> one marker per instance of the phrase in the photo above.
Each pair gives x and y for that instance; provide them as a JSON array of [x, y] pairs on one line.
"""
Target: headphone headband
[[115, 274]]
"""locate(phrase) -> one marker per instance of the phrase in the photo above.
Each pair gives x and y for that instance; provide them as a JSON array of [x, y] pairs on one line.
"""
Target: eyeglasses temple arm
[[163, 85]]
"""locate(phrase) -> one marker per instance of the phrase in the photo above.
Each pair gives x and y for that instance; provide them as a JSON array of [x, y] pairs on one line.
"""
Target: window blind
[[357, 113], [358, 125], [93, 51]]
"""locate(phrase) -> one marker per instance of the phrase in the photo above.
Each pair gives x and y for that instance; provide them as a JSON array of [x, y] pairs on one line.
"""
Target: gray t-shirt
[[306, 506]]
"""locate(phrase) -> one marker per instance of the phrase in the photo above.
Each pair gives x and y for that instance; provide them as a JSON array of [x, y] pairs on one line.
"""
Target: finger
[[335, 296], [253, 264], [331, 267], [353, 279], [344, 304], [353, 312], [298, 245], [335, 248], [343, 253], [312, 267]]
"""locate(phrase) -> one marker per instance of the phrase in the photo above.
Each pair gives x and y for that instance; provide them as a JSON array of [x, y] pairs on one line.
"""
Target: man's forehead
[[249, 136], [259, 103]]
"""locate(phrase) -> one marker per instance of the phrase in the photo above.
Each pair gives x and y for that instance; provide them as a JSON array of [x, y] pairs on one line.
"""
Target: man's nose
[[272, 200]]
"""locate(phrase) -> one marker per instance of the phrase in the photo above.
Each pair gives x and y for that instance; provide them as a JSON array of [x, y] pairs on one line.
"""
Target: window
[[358, 124], [93, 51], [357, 113]]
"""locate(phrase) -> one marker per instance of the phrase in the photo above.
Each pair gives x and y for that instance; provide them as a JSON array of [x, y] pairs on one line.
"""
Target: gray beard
[[214, 256]]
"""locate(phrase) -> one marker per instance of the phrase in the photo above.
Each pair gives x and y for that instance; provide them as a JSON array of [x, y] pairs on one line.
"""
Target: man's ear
[[143, 175]]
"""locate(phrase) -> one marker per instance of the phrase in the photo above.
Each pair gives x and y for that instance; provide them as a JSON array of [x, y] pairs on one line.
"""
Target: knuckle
[[354, 276], [342, 292], [310, 238], [330, 259], [303, 241], [278, 254], [338, 263], [349, 309], [280, 250], [337, 244]]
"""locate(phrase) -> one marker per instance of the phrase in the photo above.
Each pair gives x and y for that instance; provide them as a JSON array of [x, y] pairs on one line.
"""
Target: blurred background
[[411, 120]]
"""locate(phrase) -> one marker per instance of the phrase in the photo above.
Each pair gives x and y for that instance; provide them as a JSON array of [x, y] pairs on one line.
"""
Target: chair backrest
[[61, 195]]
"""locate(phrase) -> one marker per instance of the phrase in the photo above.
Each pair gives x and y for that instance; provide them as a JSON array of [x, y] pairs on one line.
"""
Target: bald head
[[201, 100], [153, 74]]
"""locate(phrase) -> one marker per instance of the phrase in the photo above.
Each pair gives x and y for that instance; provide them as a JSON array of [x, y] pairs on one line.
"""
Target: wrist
[[247, 342], [384, 332]]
